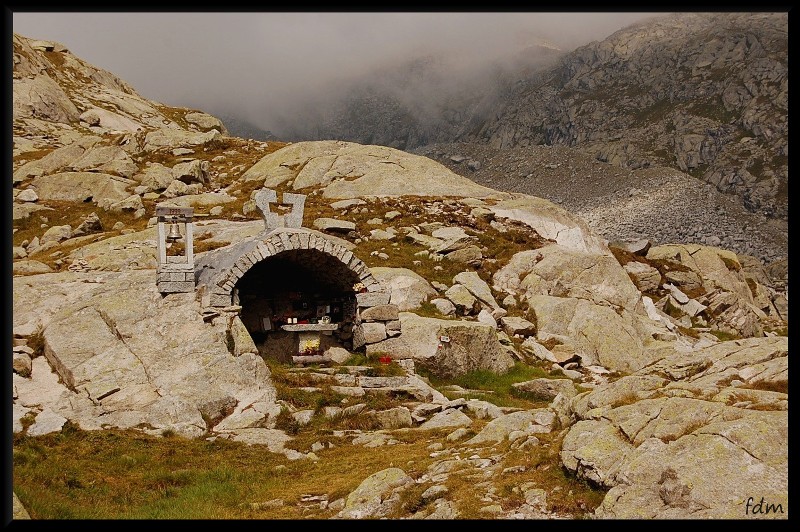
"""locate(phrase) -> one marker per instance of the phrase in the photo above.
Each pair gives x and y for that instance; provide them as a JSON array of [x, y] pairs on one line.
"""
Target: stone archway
[[221, 273], [227, 269]]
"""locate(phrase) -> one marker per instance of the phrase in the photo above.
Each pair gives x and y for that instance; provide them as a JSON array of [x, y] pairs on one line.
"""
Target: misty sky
[[248, 64]]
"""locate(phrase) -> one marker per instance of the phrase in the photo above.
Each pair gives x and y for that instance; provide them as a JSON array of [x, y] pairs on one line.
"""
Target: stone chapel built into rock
[[296, 291]]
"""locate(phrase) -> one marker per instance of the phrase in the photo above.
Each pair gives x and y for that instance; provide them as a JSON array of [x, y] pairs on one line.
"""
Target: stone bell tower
[[175, 271]]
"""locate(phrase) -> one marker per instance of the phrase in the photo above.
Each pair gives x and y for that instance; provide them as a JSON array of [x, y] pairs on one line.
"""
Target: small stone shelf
[[310, 327]]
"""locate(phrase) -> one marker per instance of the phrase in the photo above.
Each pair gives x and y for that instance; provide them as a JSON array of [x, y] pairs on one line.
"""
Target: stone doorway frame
[[232, 264]]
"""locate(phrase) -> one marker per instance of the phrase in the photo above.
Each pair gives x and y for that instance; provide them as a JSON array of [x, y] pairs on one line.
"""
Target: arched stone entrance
[[300, 274]]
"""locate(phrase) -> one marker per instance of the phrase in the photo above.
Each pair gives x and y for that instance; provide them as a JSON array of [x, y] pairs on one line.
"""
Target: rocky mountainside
[[706, 93], [661, 371], [659, 203], [703, 93], [436, 98], [241, 128]]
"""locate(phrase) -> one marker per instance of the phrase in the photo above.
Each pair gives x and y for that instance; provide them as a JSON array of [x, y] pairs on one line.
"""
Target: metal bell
[[174, 233]]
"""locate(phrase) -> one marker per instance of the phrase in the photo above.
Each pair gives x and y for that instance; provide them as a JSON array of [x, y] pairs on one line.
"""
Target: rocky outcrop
[[82, 186], [732, 301], [689, 435], [377, 496], [558, 271], [446, 347], [106, 343], [705, 93], [551, 222], [408, 289], [348, 170]]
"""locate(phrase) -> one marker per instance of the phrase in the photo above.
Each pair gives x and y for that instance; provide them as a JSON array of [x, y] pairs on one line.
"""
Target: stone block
[[381, 313], [374, 332], [171, 287], [372, 299]]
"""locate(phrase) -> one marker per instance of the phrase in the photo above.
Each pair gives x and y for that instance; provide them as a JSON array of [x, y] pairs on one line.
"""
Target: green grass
[[115, 474], [499, 386], [724, 336]]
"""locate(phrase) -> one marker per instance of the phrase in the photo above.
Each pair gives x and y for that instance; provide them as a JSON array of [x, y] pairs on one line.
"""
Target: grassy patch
[[724, 336], [116, 474], [498, 386], [536, 467], [36, 342], [627, 398], [731, 264], [769, 386]]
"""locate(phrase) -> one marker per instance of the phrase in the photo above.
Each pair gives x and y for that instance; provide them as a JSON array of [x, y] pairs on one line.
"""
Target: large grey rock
[[124, 252], [483, 409], [485, 317], [169, 139], [381, 313], [516, 325], [107, 159], [194, 171], [27, 195], [46, 422], [130, 204], [205, 121], [668, 445], [551, 222], [526, 421], [57, 233], [82, 186], [646, 278], [593, 450], [470, 346], [461, 298], [350, 170], [332, 224], [29, 267], [42, 98], [547, 389], [203, 200], [144, 358], [478, 288], [53, 162], [408, 289], [378, 495], [24, 210], [156, 177], [452, 417], [562, 272], [617, 341], [394, 418], [91, 224], [109, 120], [444, 306], [710, 264], [471, 255]]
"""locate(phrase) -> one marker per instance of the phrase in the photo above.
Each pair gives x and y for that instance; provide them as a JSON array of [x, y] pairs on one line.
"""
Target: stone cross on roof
[[273, 220]]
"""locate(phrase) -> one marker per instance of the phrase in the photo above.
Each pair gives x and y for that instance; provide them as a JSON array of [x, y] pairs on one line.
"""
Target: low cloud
[[262, 67]]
